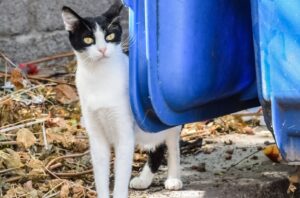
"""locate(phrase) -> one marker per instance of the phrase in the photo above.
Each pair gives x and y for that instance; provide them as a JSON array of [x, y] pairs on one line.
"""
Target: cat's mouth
[[102, 57]]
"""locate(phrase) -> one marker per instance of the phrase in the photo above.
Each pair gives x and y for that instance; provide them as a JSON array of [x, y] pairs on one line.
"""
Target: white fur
[[144, 180], [102, 82]]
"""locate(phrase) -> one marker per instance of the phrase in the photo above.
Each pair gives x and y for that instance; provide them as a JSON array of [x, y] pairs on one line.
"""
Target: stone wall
[[30, 29]]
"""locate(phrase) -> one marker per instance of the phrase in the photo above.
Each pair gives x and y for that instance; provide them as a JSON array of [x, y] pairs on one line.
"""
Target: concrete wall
[[30, 29]]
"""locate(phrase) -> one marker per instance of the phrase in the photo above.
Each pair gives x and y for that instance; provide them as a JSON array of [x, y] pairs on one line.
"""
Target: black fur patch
[[156, 157], [109, 22]]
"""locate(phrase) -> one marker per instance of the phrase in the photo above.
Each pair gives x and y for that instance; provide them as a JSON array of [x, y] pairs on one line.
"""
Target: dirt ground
[[247, 173]]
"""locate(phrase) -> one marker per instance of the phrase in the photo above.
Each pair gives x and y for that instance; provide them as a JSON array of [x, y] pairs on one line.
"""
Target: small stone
[[209, 142], [207, 150], [200, 168], [244, 149], [228, 142], [248, 130], [254, 157], [219, 173], [230, 151], [259, 148], [228, 157]]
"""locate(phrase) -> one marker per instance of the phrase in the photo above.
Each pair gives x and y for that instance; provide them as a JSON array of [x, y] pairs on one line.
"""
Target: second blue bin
[[276, 28]]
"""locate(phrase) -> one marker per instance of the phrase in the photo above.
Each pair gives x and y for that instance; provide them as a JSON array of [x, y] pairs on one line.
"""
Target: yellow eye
[[110, 37], [88, 40]]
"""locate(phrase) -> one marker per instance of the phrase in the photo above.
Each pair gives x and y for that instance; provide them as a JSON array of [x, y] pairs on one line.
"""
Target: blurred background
[[31, 29]]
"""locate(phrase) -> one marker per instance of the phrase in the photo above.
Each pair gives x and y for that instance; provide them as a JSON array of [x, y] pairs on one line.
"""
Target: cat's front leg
[[123, 163], [100, 152]]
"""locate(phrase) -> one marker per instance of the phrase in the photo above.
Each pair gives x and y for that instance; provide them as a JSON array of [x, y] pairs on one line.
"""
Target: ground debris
[[44, 151]]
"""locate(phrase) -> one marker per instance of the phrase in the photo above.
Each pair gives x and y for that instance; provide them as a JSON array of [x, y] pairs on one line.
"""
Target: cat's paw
[[140, 183], [173, 184]]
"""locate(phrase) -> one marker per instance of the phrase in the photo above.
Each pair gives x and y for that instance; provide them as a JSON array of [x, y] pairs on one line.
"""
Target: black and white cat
[[102, 82]]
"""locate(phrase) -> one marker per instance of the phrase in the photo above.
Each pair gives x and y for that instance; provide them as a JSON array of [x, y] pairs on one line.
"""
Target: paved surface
[[252, 177]]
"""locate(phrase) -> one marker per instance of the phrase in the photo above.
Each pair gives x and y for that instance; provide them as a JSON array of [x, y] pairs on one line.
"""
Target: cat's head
[[94, 38]]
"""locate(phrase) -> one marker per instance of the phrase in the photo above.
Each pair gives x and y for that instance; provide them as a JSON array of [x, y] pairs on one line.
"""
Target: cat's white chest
[[102, 86]]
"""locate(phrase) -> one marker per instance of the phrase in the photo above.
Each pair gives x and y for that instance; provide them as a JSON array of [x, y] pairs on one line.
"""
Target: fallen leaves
[[10, 159], [294, 180], [17, 78], [66, 94], [65, 191], [272, 152], [64, 169], [26, 137]]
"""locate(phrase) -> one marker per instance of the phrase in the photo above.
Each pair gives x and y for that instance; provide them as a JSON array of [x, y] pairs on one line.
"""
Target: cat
[[102, 80]]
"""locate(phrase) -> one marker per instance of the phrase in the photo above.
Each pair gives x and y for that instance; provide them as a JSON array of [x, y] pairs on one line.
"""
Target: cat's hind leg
[[173, 181], [155, 158]]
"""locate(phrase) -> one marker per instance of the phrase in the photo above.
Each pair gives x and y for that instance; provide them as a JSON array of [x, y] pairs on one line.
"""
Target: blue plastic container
[[276, 27], [191, 60]]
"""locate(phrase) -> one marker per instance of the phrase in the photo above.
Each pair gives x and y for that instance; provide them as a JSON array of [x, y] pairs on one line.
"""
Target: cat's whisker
[[128, 42], [113, 21]]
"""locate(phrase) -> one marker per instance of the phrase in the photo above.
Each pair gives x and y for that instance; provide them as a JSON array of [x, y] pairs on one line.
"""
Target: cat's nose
[[103, 50]]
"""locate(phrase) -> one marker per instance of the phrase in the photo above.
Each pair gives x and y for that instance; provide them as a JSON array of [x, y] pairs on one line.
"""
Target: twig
[[16, 123], [234, 165], [7, 59], [22, 91], [49, 166], [9, 143], [13, 65], [66, 156], [13, 179], [54, 166], [45, 136], [49, 58], [55, 187], [53, 195], [42, 79], [23, 125], [64, 175], [9, 169], [247, 114], [51, 173], [50, 80]]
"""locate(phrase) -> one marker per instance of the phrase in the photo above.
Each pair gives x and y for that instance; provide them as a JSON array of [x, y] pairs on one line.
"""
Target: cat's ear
[[113, 13], [70, 18]]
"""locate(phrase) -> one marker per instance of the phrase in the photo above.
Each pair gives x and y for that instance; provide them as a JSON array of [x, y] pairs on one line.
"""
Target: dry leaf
[[64, 191], [56, 135], [28, 185], [78, 191], [35, 164], [65, 94], [272, 152], [91, 194], [26, 137], [11, 159], [17, 78], [16, 192], [248, 130]]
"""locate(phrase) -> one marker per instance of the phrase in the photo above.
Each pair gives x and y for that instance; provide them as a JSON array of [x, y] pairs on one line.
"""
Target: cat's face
[[94, 38]]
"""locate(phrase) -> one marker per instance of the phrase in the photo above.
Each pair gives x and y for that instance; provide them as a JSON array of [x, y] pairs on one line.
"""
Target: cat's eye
[[88, 40], [110, 37]]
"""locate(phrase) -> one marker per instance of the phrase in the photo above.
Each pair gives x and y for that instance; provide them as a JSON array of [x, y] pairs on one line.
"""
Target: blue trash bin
[[190, 60], [276, 28]]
